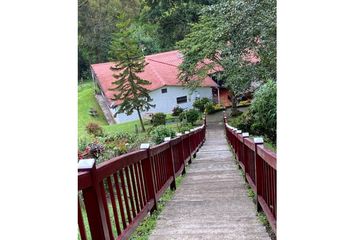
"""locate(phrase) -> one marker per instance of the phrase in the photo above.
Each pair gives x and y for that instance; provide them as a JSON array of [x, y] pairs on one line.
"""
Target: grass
[[250, 193], [86, 101], [262, 218]]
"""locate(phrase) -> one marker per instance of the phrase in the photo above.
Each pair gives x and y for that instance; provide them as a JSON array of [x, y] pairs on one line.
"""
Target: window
[[182, 99], [164, 90]]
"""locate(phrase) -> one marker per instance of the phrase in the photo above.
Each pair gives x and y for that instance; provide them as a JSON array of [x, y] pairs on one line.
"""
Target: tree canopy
[[229, 33], [96, 23]]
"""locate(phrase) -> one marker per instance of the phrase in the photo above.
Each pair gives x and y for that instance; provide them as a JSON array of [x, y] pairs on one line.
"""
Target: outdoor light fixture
[[258, 140], [86, 164], [144, 145]]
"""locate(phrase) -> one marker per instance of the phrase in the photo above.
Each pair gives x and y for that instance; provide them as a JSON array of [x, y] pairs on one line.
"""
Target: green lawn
[[87, 100]]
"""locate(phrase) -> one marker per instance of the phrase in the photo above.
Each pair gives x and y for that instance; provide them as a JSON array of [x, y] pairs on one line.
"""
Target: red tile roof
[[161, 70]]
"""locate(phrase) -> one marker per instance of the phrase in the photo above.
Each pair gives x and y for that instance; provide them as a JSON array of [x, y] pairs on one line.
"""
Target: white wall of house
[[165, 102]]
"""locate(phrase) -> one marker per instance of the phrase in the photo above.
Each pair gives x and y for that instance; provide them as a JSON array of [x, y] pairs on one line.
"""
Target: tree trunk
[[234, 110], [141, 120]]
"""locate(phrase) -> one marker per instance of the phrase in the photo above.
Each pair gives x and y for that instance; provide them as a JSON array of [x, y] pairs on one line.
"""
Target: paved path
[[212, 201], [105, 109]]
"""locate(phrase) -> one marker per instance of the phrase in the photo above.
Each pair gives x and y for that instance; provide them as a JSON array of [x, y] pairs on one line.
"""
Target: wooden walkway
[[212, 201]]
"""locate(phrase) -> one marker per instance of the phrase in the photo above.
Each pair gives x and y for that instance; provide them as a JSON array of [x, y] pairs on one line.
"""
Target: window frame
[[182, 97]]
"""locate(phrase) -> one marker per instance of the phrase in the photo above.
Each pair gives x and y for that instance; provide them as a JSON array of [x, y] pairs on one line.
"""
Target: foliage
[[172, 18], [212, 108], [129, 61], [264, 107], [158, 119], [209, 107], [250, 193], [245, 102], [244, 121], [94, 129], [231, 34], [191, 116], [111, 145], [95, 149], [263, 218], [201, 103], [176, 111], [121, 136], [82, 144], [261, 117], [218, 107], [96, 23], [146, 36], [159, 133], [184, 127]]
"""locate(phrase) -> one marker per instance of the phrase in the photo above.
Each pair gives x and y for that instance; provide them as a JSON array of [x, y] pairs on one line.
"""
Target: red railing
[[259, 167], [115, 196]]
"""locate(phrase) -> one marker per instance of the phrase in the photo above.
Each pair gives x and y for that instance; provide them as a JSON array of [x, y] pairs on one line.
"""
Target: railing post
[[182, 149], [94, 203], [149, 177], [194, 142], [258, 171], [189, 146], [240, 150], [172, 169], [245, 135]]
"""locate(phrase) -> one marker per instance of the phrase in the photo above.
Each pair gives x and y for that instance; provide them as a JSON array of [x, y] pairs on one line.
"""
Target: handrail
[[117, 194], [259, 165]]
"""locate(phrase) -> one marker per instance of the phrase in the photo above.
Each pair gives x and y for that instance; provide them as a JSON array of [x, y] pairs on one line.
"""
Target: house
[[165, 89]]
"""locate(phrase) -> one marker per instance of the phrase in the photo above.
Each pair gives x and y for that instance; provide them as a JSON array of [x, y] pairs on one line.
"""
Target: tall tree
[[129, 88], [228, 33]]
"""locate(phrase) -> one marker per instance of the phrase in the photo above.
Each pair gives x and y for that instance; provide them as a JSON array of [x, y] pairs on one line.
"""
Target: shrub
[[219, 107], [176, 111], [82, 144], [122, 148], [209, 107], [96, 149], [158, 119], [118, 136], [264, 108], [159, 133], [200, 103], [184, 127], [244, 121], [191, 116], [94, 129]]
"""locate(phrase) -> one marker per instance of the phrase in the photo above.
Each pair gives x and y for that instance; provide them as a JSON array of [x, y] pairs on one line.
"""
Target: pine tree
[[129, 61]]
